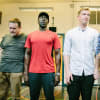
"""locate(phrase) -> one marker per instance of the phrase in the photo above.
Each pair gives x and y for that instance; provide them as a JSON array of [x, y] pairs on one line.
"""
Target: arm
[[67, 53], [97, 53], [1, 46], [26, 63], [97, 64], [1, 49], [67, 69], [58, 65]]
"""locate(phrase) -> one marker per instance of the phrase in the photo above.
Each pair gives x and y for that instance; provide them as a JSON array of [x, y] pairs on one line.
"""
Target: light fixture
[[29, 9]]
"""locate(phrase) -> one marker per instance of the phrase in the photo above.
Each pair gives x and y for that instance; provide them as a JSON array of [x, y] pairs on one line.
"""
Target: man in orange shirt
[[39, 64]]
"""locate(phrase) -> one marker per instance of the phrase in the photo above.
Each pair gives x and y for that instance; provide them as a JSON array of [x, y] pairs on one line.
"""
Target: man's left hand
[[57, 79]]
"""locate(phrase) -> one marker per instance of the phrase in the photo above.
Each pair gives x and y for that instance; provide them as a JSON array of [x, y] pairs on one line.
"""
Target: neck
[[42, 29], [83, 26]]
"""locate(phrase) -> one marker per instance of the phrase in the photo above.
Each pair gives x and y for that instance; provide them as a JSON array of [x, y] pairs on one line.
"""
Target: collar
[[83, 30]]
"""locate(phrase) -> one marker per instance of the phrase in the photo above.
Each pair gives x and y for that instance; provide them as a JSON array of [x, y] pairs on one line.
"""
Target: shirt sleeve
[[28, 42], [67, 44], [98, 45], [2, 43], [56, 42]]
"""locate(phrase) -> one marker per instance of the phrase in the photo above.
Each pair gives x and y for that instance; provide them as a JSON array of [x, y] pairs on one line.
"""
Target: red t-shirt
[[41, 44]]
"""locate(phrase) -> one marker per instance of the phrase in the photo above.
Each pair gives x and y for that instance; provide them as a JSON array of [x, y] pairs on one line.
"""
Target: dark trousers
[[45, 80], [81, 85]]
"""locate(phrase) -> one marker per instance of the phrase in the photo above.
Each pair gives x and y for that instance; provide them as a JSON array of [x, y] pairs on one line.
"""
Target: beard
[[42, 26], [13, 34]]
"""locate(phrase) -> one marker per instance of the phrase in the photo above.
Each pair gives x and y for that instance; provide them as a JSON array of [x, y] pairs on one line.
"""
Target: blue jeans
[[38, 80]]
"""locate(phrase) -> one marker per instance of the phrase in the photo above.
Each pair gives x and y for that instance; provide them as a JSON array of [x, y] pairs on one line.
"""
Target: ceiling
[[31, 1], [39, 1]]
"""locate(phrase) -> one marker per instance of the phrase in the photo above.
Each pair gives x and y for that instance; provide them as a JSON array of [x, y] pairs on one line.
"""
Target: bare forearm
[[27, 60], [97, 64], [58, 60], [66, 63], [97, 61], [69, 76]]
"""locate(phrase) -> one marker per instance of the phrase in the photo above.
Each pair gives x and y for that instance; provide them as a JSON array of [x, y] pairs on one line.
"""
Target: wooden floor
[[60, 93]]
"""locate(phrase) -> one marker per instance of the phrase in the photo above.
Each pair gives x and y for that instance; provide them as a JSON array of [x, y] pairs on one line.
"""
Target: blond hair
[[81, 9], [15, 20]]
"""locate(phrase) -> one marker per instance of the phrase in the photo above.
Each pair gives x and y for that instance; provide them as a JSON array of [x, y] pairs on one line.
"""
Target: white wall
[[62, 13], [65, 14]]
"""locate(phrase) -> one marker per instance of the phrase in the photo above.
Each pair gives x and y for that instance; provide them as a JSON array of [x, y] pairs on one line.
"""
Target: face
[[14, 29], [43, 21], [84, 17]]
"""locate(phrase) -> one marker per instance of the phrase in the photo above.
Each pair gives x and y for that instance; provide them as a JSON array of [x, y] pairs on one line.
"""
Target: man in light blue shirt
[[98, 53], [79, 50], [98, 46]]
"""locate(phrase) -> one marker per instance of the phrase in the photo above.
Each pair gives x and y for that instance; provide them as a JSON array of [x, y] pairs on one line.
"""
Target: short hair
[[15, 20], [81, 9], [43, 14]]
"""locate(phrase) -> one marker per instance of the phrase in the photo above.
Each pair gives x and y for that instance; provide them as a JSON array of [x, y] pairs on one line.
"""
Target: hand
[[96, 74], [57, 79], [26, 79], [69, 78]]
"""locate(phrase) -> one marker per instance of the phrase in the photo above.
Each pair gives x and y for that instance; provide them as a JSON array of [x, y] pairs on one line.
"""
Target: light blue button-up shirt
[[80, 46], [98, 46]]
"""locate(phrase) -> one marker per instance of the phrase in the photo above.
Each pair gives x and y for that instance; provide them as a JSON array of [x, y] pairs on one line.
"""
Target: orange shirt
[[41, 44]]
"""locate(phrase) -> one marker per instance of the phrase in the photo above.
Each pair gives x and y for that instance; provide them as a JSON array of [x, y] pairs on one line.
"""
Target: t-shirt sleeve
[[56, 42], [2, 42], [28, 42]]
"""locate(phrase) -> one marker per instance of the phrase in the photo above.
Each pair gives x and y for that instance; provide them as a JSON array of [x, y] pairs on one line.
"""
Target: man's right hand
[[69, 78]]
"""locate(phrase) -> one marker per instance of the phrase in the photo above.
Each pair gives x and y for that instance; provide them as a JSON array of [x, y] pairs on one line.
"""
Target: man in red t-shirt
[[39, 64]]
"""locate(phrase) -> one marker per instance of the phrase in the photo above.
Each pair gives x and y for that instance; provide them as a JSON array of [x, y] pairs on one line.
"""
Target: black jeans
[[38, 80], [81, 85]]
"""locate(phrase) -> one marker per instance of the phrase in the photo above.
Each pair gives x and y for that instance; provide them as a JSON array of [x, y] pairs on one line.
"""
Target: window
[[0, 16], [94, 16], [98, 17]]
